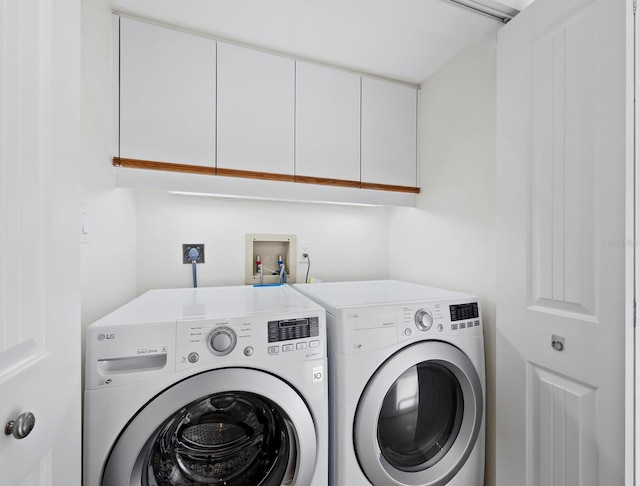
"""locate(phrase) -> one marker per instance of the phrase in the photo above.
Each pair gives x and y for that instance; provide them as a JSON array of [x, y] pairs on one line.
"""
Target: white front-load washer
[[209, 386], [406, 384]]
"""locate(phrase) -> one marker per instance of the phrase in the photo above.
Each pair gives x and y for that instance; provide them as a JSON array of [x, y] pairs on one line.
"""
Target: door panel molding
[[562, 217], [561, 418]]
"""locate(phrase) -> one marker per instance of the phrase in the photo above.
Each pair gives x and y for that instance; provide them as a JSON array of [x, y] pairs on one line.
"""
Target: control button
[[476, 323], [221, 341], [301, 346], [454, 327], [248, 351], [314, 344], [287, 347], [423, 319], [193, 357], [274, 349], [407, 332], [463, 325], [440, 327]]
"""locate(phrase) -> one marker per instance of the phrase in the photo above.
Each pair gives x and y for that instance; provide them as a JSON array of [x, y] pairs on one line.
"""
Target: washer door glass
[[420, 417], [224, 427], [230, 439]]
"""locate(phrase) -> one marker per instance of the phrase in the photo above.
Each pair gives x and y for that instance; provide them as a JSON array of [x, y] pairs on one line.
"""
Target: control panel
[[368, 328], [202, 341], [417, 319], [466, 311], [289, 329], [438, 317]]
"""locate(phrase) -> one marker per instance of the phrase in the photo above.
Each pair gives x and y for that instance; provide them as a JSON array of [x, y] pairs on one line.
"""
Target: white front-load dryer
[[406, 384], [210, 386]]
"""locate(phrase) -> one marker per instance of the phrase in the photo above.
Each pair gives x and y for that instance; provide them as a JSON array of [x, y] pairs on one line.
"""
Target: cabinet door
[[327, 123], [389, 121], [255, 111], [167, 95]]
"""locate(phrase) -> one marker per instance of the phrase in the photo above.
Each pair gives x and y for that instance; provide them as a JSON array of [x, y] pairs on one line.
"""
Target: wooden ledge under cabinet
[[326, 182], [389, 187], [267, 176], [166, 166], [250, 174]]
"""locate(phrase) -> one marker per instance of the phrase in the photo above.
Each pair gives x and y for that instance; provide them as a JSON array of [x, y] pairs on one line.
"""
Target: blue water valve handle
[[193, 254]]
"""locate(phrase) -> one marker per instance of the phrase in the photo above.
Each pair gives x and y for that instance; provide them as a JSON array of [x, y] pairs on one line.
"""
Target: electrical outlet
[[186, 247], [304, 247]]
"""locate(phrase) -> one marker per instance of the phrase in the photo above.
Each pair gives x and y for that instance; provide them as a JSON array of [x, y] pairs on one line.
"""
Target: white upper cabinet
[[185, 100], [327, 123], [255, 111], [167, 95], [389, 137]]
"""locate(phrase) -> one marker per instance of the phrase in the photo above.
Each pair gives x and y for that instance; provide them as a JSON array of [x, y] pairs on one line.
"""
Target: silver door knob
[[22, 426]]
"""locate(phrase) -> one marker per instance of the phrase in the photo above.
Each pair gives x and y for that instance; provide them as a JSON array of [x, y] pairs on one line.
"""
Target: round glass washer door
[[419, 416], [226, 427]]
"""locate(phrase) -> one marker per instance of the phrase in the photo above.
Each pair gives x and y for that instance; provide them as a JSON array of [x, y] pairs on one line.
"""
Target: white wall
[[448, 240], [347, 242], [108, 261]]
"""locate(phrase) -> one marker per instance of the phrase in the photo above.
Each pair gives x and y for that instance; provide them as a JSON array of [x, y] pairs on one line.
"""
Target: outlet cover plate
[[303, 247], [186, 247]]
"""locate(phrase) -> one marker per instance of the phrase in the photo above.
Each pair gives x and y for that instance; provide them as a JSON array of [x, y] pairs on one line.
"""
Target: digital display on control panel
[[290, 329], [460, 312]]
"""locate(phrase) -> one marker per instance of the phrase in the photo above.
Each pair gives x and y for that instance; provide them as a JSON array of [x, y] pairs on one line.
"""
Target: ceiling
[[405, 40]]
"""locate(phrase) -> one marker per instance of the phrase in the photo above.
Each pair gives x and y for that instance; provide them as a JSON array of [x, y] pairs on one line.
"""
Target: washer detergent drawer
[[121, 355], [110, 366]]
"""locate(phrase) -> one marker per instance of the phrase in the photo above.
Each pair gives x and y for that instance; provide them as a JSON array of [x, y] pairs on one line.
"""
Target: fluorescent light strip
[[255, 198]]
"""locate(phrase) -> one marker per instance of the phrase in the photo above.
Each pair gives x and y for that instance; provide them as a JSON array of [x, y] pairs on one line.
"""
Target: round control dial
[[424, 319], [221, 341]]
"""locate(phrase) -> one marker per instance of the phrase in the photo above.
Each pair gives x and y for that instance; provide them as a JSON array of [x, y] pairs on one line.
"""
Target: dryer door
[[231, 427], [419, 416]]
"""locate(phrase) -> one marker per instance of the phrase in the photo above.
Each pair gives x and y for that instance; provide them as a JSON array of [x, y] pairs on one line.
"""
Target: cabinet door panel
[[389, 120], [327, 123], [167, 95], [255, 110]]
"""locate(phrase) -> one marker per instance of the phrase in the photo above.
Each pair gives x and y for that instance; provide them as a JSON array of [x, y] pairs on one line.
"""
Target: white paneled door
[[563, 149], [39, 241]]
